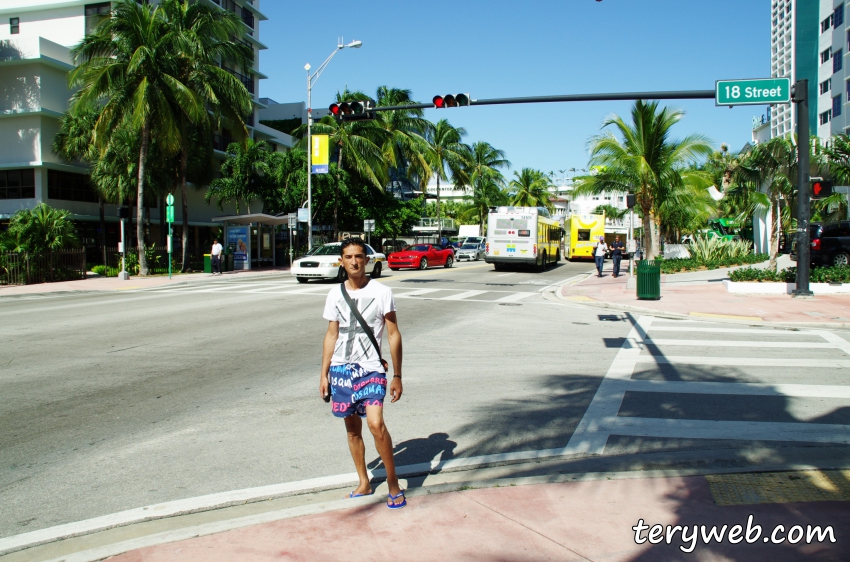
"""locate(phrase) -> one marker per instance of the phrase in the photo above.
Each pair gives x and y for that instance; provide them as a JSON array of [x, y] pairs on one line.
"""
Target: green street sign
[[169, 214], [169, 200], [760, 91]]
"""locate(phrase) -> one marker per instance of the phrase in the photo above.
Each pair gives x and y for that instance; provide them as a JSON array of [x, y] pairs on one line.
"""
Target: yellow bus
[[522, 235], [582, 232]]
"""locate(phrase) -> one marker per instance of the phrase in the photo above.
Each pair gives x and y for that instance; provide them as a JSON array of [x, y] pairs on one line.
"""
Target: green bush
[[692, 264], [818, 275]]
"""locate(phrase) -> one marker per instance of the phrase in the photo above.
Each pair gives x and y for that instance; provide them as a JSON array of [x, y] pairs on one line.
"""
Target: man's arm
[[327, 352], [394, 339]]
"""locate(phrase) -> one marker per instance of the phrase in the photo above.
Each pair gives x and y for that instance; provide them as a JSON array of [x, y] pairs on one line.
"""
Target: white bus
[[522, 235]]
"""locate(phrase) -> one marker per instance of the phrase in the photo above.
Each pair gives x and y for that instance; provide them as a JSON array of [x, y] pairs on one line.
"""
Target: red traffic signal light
[[353, 110], [451, 100], [821, 189]]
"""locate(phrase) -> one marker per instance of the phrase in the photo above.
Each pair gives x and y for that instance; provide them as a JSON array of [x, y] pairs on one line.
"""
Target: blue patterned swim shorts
[[353, 388]]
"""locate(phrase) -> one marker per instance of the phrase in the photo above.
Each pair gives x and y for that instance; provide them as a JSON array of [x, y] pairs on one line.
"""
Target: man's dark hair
[[356, 241]]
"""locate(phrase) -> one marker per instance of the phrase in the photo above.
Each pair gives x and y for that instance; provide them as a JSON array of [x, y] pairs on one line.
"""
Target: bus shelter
[[251, 238]]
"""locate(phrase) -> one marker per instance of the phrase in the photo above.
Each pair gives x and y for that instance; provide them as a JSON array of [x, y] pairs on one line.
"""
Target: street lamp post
[[311, 79]]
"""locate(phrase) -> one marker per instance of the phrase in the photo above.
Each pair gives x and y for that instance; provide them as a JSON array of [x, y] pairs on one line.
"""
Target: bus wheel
[[558, 256], [541, 261], [498, 267]]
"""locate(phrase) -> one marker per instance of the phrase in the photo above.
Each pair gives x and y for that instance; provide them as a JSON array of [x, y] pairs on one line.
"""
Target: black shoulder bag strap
[[364, 325]]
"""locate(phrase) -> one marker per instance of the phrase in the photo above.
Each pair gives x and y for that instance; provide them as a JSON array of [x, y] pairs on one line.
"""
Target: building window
[[838, 16], [17, 184], [825, 116], [824, 56], [824, 86], [68, 186], [825, 25], [837, 61], [14, 26], [96, 13], [836, 106]]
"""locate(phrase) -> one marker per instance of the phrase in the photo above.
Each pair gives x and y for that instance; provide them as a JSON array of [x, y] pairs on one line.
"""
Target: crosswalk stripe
[[742, 361], [751, 431], [741, 388], [514, 297], [740, 343], [464, 295], [760, 331], [416, 293]]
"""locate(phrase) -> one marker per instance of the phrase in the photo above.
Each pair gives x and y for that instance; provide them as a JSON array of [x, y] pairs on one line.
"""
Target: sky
[[529, 48]]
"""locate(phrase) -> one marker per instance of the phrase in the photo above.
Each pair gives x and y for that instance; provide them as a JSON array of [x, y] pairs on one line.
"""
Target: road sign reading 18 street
[[753, 92]]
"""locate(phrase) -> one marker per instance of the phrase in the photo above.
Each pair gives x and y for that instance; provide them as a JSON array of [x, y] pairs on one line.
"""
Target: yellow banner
[[319, 154]]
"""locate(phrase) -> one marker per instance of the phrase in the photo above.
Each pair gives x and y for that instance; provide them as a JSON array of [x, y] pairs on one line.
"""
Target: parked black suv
[[830, 243]]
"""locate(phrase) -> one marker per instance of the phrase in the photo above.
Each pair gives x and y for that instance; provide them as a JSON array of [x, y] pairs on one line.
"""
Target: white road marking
[[834, 339], [740, 343], [416, 293], [595, 426], [514, 297], [741, 388], [462, 296], [760, 331], [715, 429], [506, 274], [742, 361]]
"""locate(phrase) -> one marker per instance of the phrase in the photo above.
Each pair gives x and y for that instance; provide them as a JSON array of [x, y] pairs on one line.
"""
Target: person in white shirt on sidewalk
[[215, 257], [599, 254]]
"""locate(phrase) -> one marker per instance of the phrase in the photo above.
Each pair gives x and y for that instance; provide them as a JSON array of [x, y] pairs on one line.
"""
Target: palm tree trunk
[[162, 240], [439, 222], [140, 199], [184, 158], [648, 250], [774, 240], [102, 229]]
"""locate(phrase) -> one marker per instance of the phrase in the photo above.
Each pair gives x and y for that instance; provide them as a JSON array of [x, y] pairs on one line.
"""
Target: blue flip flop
[[392, 504], [353, 495]]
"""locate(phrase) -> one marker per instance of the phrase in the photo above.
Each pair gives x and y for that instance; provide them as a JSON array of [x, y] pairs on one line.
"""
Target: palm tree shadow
[[436, 446]]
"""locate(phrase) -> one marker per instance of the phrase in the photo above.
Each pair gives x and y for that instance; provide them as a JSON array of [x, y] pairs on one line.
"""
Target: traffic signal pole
[[804, 211]]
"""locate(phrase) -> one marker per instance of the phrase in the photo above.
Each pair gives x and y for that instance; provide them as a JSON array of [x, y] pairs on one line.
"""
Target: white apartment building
[[35, 41]]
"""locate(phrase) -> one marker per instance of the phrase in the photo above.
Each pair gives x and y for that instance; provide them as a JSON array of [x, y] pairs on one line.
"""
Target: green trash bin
[[648, 279], [207, 263]]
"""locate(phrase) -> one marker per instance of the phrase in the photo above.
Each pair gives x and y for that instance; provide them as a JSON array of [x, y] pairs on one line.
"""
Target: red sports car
[[421, 256]]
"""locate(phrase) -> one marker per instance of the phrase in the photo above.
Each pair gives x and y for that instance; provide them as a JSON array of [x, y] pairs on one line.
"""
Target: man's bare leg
[[354, 427], [384, 445]]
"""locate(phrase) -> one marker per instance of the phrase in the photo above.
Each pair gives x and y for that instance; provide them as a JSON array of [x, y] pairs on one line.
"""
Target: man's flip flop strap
[[392, 498]]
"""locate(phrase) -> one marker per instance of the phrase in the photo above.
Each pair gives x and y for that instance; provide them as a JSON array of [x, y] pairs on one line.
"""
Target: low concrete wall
[[756, 288]]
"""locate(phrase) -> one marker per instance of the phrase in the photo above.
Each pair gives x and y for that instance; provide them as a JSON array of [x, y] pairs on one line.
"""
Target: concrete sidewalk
[[136, 282], [582, 520], [702, 294]]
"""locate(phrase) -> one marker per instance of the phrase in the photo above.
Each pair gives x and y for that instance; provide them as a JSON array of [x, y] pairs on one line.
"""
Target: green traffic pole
[[170, 242]]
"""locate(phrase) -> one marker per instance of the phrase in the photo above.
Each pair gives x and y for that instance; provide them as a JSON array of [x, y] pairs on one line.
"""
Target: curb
[[306, 504]]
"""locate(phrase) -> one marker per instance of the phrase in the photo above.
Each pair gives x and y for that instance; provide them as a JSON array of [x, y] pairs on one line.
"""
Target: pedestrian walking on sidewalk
[[599, 254], [617, 248], [215, 257], [354, 374]]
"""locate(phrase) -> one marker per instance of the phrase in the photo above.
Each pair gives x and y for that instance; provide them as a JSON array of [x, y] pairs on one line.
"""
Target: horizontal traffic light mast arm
[[623, 96]]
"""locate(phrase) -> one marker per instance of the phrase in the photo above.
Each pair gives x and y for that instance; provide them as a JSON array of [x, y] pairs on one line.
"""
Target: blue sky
[[531, 48]]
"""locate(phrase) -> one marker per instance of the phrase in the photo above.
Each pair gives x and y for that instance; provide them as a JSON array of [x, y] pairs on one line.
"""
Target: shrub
[[692, 264], [818, 275]]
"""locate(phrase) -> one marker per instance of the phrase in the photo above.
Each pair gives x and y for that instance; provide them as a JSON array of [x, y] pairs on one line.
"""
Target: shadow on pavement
[[436, 446]]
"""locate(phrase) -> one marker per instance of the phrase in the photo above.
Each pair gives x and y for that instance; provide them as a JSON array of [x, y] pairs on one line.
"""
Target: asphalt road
[[120, 400]]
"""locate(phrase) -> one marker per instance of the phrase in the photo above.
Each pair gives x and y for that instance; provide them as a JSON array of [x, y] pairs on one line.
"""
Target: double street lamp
[[311, 79]]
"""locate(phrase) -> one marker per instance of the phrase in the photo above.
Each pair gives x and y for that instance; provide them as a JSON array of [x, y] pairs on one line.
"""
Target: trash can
[[648, 279], [207, 263], [228, 262]]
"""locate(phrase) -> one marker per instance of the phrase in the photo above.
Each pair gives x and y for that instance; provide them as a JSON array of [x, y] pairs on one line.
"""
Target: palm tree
[[645, 162], [128, 66], [405, 147], [201, 37], [611, 212], [247, 174], [834, 207], [39, 229], [482, 168], [447, 158], [531, 189]]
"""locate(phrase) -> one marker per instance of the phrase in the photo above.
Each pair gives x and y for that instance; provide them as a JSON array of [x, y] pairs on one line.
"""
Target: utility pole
[[804, 211]]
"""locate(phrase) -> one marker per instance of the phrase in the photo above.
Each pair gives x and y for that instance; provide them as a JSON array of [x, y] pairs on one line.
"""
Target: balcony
[[247, 81], [432, 224], [248, 18], [221, 142]]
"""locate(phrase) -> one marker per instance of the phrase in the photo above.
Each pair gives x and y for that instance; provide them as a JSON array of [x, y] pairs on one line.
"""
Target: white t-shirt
[[216, 249], [600, 249], [373, 301]]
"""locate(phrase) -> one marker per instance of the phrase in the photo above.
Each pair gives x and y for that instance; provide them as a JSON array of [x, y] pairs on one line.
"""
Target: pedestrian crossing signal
[[821, 189]]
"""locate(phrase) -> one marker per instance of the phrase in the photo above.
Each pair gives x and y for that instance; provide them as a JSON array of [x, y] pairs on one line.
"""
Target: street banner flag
[[320, 154]]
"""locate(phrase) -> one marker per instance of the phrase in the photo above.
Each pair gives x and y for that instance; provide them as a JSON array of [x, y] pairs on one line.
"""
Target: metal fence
[[28, 269], [157, 257]]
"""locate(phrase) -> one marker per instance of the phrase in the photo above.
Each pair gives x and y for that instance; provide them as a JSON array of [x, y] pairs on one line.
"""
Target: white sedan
[[325, 263]]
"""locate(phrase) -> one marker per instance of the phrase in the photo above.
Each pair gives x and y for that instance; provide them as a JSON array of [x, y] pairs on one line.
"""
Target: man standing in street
[[354, 375], [617, 248], [215, 257]]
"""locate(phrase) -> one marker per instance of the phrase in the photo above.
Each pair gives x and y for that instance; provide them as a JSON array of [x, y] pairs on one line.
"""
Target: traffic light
[[358, 110], [821, 188], [457, 100]]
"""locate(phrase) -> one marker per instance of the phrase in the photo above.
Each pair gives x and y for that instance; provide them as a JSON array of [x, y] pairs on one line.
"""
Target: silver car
[[470, 252]]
